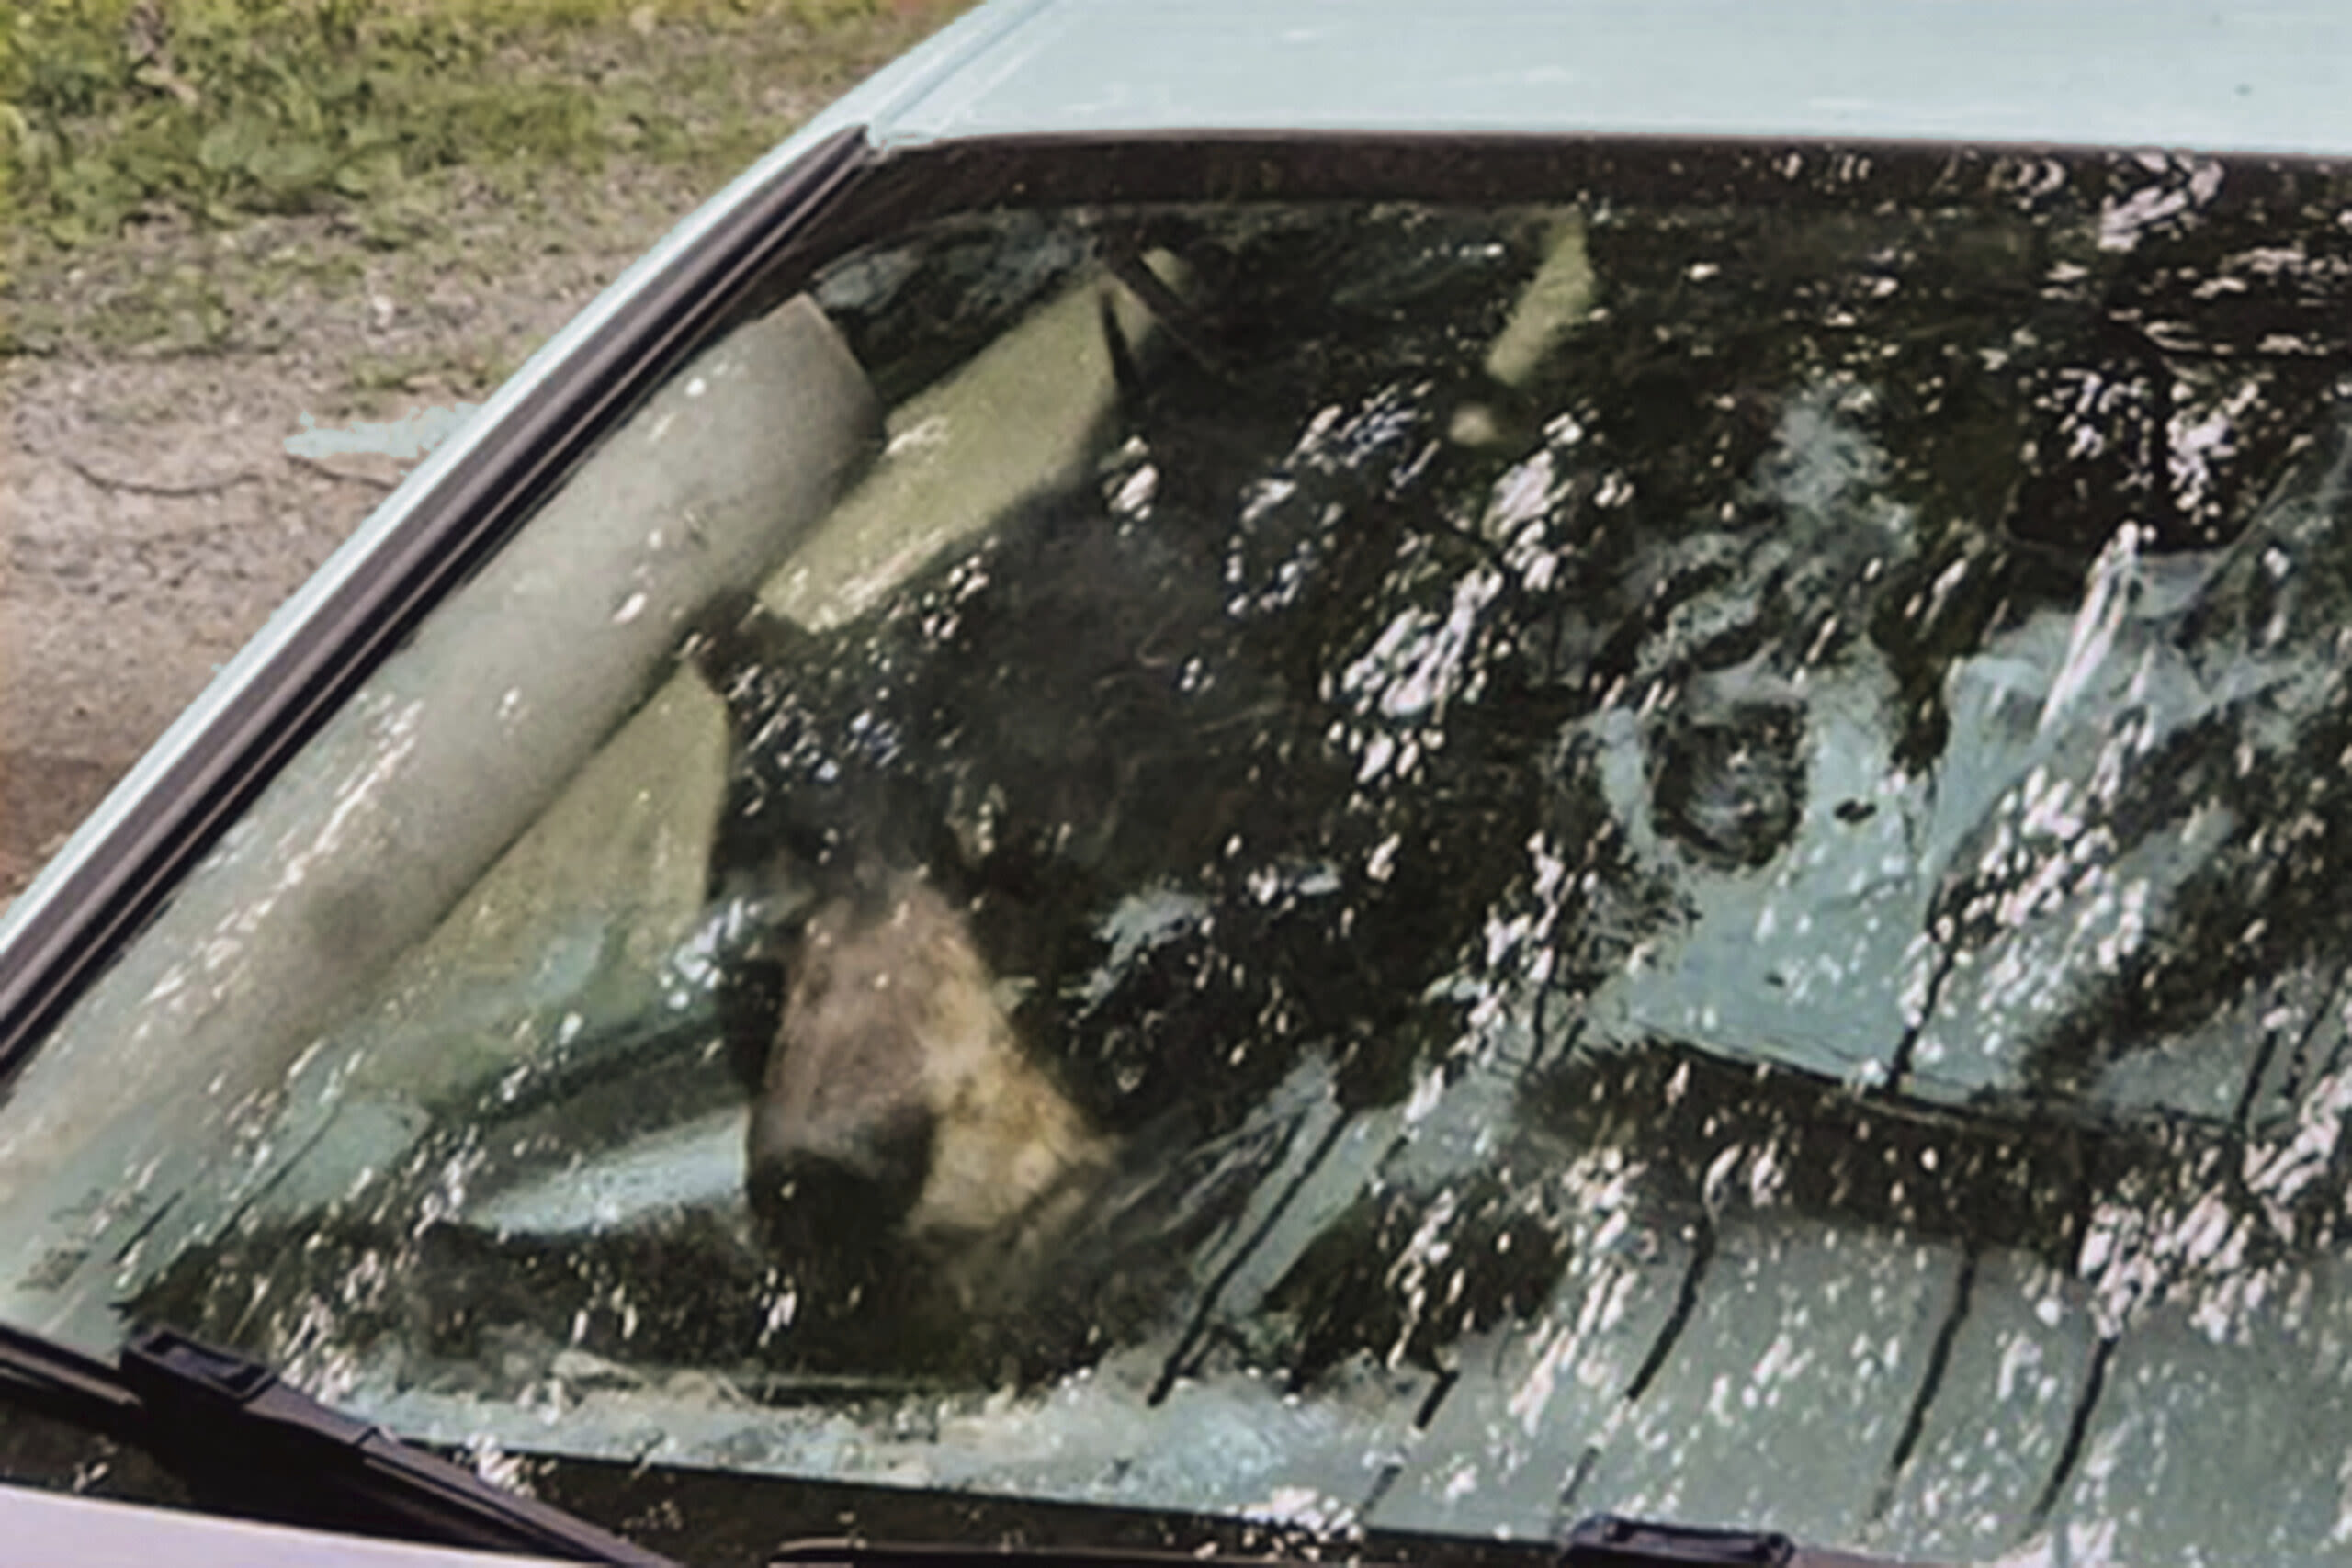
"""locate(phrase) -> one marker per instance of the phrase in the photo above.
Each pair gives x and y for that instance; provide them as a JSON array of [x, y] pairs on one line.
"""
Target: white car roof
[[2173, 74]]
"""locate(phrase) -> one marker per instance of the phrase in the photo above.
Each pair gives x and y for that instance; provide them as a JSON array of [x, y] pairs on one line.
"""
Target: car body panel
[[43, 1527], [2171, 74]]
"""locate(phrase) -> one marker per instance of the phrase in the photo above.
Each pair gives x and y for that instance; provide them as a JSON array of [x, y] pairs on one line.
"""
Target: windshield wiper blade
[[1607, 1541], [240, 1435], [86, 1392], [210, 1398]]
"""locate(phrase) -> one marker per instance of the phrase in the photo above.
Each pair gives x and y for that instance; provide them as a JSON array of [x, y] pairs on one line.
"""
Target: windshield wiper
[[1602, 1542], [251, 1443]]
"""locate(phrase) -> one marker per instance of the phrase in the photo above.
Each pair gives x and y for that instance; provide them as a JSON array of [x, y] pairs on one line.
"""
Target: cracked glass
[[1362, 864]]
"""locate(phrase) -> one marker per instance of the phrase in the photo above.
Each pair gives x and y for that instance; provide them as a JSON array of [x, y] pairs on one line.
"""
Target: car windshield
[[1671, 846]]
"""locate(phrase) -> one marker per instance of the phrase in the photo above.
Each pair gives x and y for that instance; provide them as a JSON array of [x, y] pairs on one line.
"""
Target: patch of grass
[[16, 132], [209, 106], [181, 311], [112, 110]]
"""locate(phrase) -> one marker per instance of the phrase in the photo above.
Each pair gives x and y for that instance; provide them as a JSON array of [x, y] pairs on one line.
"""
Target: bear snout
[[817, 1197], [902, 1132]]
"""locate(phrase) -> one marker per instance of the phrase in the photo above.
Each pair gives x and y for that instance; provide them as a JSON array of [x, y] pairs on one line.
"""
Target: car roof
[[2170, 74]]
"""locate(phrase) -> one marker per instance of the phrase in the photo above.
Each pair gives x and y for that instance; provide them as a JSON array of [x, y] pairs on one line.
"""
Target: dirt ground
[[150, 516]]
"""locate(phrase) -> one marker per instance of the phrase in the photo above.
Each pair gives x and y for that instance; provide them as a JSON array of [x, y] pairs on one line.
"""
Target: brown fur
[[891, 1021]]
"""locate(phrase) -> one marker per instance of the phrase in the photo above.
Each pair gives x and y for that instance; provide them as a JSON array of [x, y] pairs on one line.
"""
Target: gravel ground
[[151, 515]]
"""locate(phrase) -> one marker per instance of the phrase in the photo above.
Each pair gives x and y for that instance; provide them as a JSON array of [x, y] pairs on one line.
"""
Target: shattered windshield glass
[[1678, 850]]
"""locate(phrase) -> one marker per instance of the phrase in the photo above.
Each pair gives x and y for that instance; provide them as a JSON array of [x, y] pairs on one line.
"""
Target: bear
[[1056, 863]]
